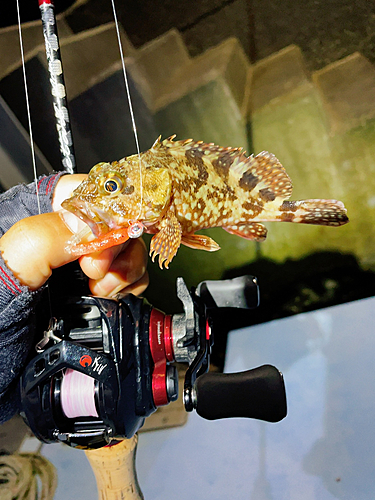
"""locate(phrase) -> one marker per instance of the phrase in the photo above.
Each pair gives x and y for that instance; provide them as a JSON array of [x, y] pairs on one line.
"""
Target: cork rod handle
[[114, 469]]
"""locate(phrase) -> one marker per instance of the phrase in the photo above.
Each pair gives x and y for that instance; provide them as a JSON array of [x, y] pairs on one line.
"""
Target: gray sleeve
[[21, 201], [17, 302]]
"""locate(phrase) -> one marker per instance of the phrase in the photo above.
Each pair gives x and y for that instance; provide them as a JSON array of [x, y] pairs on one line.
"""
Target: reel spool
[[107, 365]]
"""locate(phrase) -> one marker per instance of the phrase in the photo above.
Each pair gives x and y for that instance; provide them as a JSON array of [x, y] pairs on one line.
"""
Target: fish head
[[115, 194]]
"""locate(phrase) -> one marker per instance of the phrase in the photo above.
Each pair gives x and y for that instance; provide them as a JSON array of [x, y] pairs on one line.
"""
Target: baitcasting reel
[[107, 365]]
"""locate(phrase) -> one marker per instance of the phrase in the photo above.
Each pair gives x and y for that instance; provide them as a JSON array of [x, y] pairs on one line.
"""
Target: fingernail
[[73, 223], [109, 285]]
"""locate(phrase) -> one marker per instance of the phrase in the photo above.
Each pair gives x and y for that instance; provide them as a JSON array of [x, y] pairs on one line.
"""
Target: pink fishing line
[[78, 395]]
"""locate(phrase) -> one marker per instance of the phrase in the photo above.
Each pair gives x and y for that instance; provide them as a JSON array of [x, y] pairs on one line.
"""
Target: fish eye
[[112, 185]]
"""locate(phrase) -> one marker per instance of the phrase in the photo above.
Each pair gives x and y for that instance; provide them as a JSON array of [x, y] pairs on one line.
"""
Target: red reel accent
[[168, 338], [208, 330], [161, 346]]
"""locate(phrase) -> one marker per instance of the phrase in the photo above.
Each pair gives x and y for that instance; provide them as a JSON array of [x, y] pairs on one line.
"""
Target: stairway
[[320, 126]]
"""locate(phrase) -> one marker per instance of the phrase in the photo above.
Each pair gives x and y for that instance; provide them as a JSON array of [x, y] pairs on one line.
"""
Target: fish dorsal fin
[[264, 175], [156, 145], [199, 148]]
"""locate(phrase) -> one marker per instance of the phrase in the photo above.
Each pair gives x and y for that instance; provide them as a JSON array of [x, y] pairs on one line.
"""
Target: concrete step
[[156, 63], [207, 99], [202, 24], [347, 89], [33, 40], [85, 55], [15, 151], [88, 59], [278, 76], [288, 119], [101, 121]]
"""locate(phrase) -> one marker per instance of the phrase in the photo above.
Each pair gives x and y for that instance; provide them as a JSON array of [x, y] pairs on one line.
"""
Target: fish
[[179, 187]]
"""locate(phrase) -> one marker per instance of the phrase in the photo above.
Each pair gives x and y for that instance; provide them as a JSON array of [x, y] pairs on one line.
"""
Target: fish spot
[[248, 181], [267, 194], [223, 163], [228, 193], [289, 206], [255, 208], [128, 190], [193, 153], [195, 162], [183, 186], [212, 193], [247, 205], [287, 217]]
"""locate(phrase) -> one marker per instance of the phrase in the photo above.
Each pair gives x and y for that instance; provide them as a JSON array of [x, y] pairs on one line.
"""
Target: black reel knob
[[257, 393]]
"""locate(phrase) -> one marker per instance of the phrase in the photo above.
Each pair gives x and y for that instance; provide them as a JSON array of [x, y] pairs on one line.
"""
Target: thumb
[[34, 246]]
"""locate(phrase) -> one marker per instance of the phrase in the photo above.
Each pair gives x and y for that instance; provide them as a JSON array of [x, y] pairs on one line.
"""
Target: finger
[[136, 288], [96, 265], [34, 246], [126, 269], [64, 189]]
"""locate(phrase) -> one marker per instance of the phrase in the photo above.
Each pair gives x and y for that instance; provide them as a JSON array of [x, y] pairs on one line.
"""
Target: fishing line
[[131, 113], [30, 129], [77, 395], [28, 105]]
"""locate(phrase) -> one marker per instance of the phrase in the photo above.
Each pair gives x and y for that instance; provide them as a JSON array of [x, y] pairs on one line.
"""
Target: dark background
[[325, 30]]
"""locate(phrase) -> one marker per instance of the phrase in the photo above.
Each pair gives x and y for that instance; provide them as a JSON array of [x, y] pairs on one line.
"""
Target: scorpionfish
[[179, 187]]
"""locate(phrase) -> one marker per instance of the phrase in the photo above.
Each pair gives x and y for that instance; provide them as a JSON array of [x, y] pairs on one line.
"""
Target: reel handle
[[257, 393]]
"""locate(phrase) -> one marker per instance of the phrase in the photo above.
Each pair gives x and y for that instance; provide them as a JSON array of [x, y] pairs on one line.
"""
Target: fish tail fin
[[318, 212]]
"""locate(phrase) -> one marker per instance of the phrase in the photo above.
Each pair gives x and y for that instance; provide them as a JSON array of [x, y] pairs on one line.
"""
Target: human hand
[[36, 245]]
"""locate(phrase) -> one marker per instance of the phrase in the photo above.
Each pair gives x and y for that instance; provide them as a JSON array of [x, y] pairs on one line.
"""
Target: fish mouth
[[98, 221]]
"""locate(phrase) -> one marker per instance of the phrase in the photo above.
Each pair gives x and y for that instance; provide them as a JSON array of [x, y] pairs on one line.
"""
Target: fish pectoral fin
[[167, 241], [199, 242], [249, 231]]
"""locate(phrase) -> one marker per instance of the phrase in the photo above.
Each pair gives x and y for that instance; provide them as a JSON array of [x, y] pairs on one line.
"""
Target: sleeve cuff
[[45, 188], [10, 289]]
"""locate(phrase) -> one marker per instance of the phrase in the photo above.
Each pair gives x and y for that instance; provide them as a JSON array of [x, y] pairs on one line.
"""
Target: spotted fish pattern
[[177, 188]]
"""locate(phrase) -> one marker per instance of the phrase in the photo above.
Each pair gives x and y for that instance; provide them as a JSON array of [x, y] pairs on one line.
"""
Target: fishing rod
[[58, 89]]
